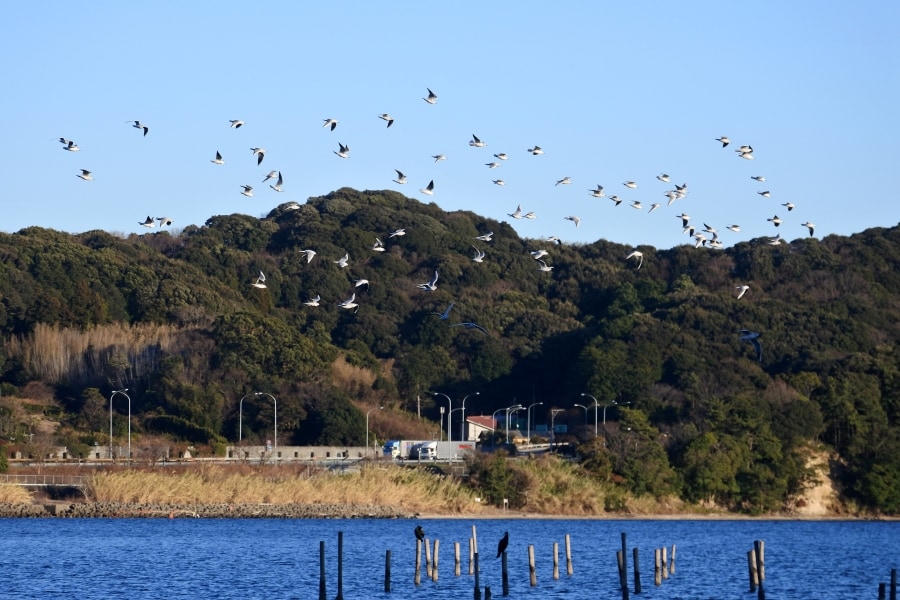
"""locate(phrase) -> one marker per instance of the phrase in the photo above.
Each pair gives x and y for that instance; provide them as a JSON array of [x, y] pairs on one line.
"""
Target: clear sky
[[612, 91]]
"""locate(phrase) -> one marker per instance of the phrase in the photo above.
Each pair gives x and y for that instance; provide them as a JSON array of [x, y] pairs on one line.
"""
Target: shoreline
[[113, 510]]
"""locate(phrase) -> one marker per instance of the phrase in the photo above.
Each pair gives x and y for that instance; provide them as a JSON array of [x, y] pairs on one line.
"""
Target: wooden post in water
[[569, 570], [474, 539], [665, 562], [672, 561], [504, 575], [624, 565], [555, 560], [456, 570], [477, 572], [657, 576], [434, 561], [759, 547], [637, 571], [623, 573], [881, 591], [893, 589], [387, 571], [487, 592], [471, 556], [751, 569], [418, 576], [340, 581], [531, 568], [322, 595], [427, 559]]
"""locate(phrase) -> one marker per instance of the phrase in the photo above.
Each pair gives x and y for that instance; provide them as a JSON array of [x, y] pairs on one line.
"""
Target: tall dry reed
[[59, 355], [408, 489], [14, 494]]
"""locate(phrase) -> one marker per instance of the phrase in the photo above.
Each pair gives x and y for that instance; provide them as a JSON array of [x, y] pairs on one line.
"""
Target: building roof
[[486, 422]]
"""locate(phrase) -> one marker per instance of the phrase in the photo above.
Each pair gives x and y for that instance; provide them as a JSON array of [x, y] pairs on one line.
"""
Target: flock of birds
[[501, 545], [708, 236]]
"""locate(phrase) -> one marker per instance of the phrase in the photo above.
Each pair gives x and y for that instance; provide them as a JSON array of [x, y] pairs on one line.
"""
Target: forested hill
[[176, 319]]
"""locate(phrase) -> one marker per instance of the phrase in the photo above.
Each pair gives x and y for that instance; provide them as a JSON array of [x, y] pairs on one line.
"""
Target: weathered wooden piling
[[418, 576], [487, 592], [751, 570], [531, 567], [555, 560], [637, 571], [623, 573], [893, 589], [477, 573], [322, 594], [569, 570], [340, 581], [471, 556], [672, 561], [387, 571], [657, 559], [504, 574], [759, 547], [665, 562], [456, 569], [427, 559], [881, 591], [434, 561]]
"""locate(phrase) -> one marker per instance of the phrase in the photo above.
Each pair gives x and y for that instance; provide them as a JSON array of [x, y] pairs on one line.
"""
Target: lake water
[[279, 559]]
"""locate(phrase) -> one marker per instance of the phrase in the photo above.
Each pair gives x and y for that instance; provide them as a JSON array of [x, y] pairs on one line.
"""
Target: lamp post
[[595, 407], [449, 409], [113, 395], [275, 426], [604, 412], [585, 411], [463, 429], [553, 413], [514, 408], [367, 426], [241, 417], [494, 423], [528, 419]]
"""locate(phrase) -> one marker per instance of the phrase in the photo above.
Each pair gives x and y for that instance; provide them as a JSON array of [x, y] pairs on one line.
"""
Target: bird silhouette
[[420, 533], [504, 542]]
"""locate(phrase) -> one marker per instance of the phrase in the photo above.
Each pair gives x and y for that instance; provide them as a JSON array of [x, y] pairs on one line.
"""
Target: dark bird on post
[[504, 542], [420, 533]]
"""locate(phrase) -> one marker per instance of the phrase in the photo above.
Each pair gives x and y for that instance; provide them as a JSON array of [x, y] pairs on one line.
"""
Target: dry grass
[[408, 489], [14, 494], [558, 487]]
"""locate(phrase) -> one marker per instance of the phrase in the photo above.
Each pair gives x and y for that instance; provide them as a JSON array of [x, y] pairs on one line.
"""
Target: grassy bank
[[413, 490], [545, 485]]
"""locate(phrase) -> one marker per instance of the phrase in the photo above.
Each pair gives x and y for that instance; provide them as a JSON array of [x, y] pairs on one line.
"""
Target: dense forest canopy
[[689, 409]]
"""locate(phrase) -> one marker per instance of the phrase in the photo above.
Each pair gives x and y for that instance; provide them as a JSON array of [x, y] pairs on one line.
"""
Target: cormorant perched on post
[[504, 542], [420, 533]]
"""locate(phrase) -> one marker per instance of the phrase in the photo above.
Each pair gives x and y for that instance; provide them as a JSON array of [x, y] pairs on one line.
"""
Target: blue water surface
[[275, 559]]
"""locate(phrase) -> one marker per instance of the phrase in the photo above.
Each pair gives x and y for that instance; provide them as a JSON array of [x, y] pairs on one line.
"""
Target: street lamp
[[241, 417], [528, 419], [494, 424], [595, 407], [585, 411], [514, 408], [367, 426], [449, 410], [129, 421], [553, 413], [275, 426], [463, 429]]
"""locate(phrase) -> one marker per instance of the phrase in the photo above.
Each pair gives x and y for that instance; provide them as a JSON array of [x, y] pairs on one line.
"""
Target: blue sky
[[611, 91]]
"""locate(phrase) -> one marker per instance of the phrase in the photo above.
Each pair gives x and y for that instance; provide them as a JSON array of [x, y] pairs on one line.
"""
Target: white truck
[[426, 449]]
